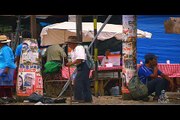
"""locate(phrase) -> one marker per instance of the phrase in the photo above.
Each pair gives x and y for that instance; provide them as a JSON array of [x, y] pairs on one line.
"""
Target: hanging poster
[[29, 78]]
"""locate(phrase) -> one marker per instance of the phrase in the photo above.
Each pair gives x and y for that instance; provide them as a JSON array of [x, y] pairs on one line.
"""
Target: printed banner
[[29, 78]]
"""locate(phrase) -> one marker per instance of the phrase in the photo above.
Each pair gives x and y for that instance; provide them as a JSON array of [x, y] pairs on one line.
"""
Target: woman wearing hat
[[82, 91], [7, 67]]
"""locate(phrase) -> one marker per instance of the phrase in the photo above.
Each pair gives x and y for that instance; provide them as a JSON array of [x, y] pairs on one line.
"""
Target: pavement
[[173, 99]]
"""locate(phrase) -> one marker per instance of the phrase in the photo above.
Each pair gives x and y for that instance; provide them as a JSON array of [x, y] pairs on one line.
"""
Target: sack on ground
[[137, 89], [34, 97]]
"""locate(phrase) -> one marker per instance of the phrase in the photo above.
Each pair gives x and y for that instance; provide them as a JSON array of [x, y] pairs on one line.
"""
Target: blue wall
[[165, 46]]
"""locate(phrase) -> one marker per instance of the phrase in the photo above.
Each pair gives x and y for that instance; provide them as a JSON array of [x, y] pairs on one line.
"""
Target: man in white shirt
[[105, 60], [82, 90]]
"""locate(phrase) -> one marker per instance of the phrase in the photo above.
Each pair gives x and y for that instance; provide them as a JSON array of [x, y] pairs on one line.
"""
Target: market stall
[[59, 32]]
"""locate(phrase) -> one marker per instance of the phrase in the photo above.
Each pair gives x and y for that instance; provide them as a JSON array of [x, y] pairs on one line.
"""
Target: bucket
[[115, 91]]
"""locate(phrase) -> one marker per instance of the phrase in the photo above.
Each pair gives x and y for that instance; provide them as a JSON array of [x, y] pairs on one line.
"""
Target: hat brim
[[73, 42], [7, 41]]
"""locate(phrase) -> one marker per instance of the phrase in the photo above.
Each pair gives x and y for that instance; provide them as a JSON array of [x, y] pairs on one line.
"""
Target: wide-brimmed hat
[[73, 39], [4, 39]]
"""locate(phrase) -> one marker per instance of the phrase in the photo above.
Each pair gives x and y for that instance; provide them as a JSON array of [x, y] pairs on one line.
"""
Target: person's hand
[[69, 64], [155, 64]]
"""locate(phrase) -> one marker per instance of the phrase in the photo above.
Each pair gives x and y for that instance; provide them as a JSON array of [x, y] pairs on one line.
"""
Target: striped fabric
[[172, 70]]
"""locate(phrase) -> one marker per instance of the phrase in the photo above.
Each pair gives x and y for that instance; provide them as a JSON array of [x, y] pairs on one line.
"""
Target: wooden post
[[129, 64], [33, 26], [79, 27], [95, 57]]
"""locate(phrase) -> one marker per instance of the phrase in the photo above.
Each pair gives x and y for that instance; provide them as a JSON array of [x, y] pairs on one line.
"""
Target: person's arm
[[17, 55], [7, 57], [76, 62], [172, 86], [63, 55], [17, 60]]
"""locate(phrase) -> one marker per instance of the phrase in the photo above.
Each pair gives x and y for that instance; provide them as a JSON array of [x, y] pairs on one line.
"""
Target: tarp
[[59, 32], [172, 25]]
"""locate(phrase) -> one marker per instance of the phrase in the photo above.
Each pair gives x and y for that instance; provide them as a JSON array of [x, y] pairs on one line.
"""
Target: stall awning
[[59, 32]]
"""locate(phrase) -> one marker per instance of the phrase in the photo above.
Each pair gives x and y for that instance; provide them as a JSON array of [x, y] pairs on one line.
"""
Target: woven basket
[[54, 87]]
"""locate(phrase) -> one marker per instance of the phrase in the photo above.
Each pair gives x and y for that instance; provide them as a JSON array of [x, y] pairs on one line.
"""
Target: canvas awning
[[59, 32]]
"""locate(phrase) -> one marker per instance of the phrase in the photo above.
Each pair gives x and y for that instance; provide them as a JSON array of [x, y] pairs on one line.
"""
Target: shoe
[[88, 101], [60, 100], [2, 101]]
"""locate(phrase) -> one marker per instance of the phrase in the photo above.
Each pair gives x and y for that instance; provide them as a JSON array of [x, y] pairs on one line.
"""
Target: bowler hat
[[73, 39], [4, 39]]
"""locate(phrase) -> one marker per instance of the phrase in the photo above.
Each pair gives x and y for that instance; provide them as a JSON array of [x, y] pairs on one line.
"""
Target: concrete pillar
[[128, 52]]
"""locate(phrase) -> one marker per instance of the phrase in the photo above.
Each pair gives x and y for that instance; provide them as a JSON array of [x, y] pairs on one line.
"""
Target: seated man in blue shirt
[[150, 74]]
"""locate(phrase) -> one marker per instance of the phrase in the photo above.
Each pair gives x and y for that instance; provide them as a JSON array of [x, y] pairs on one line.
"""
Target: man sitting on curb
[[150, 75]]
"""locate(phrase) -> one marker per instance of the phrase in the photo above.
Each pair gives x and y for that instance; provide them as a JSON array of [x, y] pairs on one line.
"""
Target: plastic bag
[[51, 67], [138, 90], [90, 62]]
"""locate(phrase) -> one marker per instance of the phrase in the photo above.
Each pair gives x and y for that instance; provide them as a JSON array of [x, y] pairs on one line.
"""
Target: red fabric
[[100, 58], [110, 68], [15, 77], [172, 70], [6, 91], [65, 72]]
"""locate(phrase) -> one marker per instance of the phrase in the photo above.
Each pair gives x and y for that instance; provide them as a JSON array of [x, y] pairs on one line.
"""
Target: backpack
[[90, 62], [138, 90]]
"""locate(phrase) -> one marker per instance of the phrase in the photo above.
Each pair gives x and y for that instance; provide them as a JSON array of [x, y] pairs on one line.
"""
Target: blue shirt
[[144, 73], [6, 58], [18, 50]]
